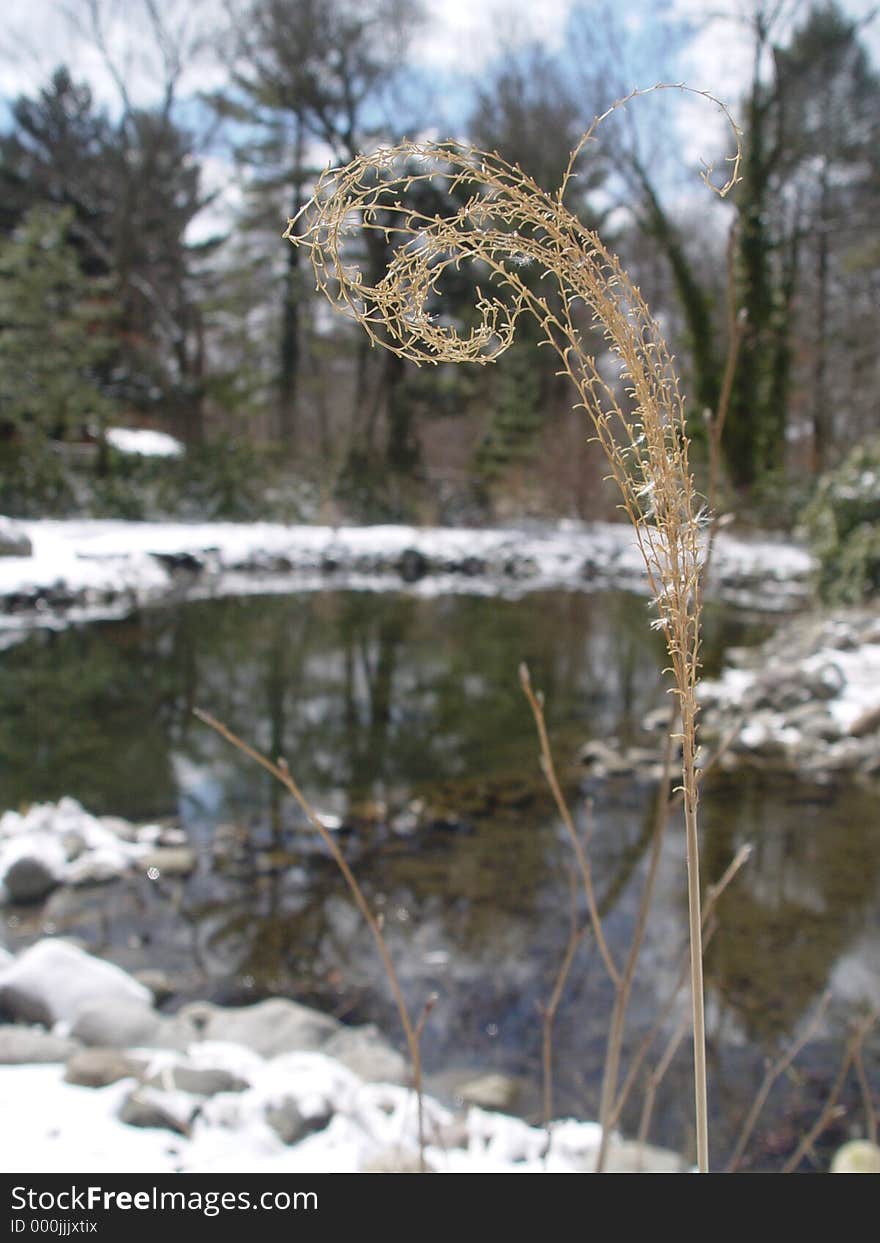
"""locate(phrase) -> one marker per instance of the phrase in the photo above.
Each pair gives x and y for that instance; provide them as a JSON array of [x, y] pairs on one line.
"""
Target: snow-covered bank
[[808, 698], [117, 1086], [89, 569]]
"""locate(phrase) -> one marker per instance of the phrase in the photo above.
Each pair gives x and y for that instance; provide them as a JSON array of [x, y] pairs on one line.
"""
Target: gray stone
[[289, 1124], [170, 861], [97, 1068], [368, 1054], [146, 1107], [29, 880], [492, 1091], [116, 1024], [269, 1028], [158, 982], [630, 1157], [22, 1045], [198, 1080]]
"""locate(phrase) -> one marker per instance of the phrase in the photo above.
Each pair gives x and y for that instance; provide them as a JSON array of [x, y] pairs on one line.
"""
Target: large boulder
[[54, 980], [116, 1023], [366, 1052], [269, 1028]]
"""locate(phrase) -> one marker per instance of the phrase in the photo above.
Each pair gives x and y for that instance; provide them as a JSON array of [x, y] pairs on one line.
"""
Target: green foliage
[[52, 337], [225, 479], [34, 480], [516, 418], [842, 524]]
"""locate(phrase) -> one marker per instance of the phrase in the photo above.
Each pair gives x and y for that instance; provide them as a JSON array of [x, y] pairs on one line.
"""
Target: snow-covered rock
[[13, 540], [60, 843], [809, 696], [54, 980]]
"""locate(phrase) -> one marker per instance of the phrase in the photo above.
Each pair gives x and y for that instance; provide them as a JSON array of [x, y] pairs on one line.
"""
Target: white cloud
[[463, 35]]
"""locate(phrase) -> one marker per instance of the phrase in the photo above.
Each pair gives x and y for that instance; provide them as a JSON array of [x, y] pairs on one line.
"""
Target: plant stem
[[696, 939]]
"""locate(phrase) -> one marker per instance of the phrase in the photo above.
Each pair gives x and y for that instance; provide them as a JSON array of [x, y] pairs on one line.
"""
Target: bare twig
[[624, 988], [576, 935], [830, 1109], [713, 895], [771, 1075], [536, 702], [412, 1032], [867, 1097]]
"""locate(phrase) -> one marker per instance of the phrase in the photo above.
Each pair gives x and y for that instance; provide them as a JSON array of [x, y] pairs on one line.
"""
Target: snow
[[143, 441], [76, 1129], [84, 569], [338, 1121], [860, 669]]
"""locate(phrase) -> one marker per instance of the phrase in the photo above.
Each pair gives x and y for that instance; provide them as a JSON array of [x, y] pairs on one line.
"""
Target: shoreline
[[85, 570]]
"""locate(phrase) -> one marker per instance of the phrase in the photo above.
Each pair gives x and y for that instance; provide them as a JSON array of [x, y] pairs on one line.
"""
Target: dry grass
[[528, 253]]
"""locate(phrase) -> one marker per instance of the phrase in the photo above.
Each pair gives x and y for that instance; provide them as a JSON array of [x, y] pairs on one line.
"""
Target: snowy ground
[[89, 569]]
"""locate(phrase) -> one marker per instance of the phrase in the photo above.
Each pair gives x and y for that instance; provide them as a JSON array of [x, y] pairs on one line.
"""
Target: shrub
[[842, 525]]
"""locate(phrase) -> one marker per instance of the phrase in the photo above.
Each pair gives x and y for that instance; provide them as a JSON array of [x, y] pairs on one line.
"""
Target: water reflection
[[404, 718]]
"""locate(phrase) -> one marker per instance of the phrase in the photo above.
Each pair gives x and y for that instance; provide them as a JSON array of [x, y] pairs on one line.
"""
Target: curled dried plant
[[528, 253]]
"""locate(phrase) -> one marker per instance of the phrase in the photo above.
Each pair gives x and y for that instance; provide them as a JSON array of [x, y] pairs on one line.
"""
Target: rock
[[412, 565], [55, 980], [13, 541], [170, 861], [29, 880], [269, 1028], [97, 1068], [158, 982], [825, 682], [198, 1080], [365, 1051], [396, 1160], [289, 1124], [859, 1156], [866, 724], [493, 1091], [603, 760], [21, 1045], [147, 1107], [631, 1157], [123, 829], [116, 1023]]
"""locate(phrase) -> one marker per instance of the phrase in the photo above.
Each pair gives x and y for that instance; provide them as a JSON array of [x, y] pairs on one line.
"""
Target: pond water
[[403, 718]]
